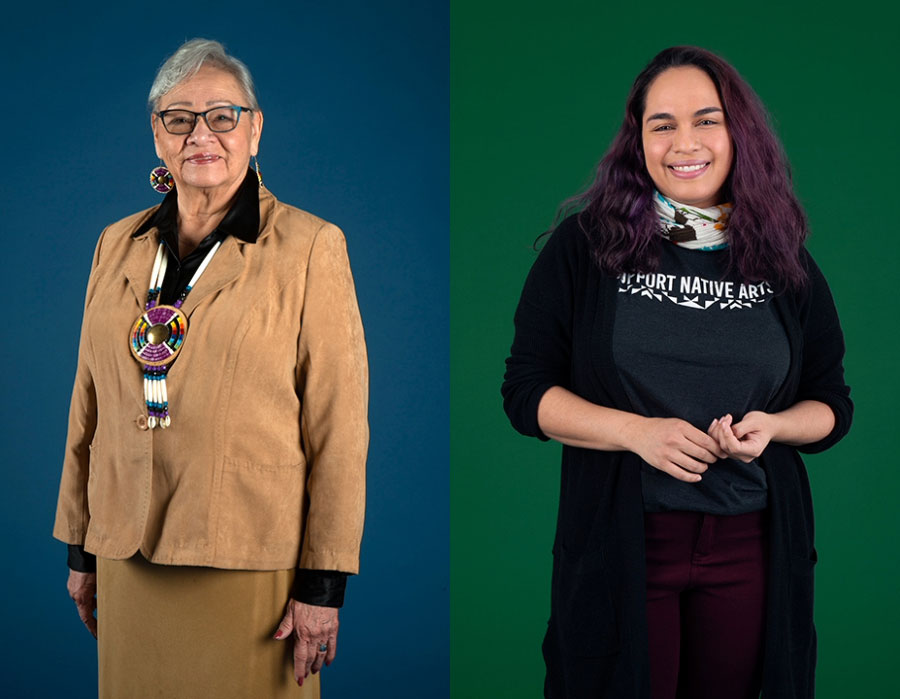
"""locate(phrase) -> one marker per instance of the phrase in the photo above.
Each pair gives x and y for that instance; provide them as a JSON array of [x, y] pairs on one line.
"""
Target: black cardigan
[[596, 643]]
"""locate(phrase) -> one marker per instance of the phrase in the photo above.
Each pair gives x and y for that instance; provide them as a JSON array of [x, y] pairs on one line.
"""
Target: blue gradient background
[[356, 103]]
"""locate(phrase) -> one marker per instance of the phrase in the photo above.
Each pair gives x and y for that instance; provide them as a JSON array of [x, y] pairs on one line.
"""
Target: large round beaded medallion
[[158, 334]]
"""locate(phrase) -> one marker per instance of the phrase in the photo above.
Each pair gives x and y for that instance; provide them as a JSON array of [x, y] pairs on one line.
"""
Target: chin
[[206, 180]]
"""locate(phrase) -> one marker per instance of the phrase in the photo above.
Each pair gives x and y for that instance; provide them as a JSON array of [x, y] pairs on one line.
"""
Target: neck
[[200, 211]]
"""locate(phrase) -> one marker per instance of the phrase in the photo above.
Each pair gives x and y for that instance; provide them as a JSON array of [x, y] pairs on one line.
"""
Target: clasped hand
[[678, 448], [744, 440]]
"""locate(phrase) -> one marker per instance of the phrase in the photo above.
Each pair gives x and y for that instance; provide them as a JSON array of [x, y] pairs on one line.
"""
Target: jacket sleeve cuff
[[842, 407], [80, 560], [323, 588], [530, 425]]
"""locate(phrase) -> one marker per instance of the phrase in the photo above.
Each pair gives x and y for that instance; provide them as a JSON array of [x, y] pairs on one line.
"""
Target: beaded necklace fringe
[[157, 337]]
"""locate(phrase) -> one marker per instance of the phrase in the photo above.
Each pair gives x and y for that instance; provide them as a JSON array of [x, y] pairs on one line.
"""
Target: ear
[[256, 125], [154, 127]]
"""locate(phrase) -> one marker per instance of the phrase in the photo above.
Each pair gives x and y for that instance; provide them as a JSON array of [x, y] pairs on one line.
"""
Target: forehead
[[207, 85], [682, 89]]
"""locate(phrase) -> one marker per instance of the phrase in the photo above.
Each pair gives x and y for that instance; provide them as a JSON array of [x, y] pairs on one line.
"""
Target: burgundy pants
[[706, 587]]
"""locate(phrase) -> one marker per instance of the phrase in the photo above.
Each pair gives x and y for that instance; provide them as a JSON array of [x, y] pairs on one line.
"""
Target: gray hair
[[189, 58]]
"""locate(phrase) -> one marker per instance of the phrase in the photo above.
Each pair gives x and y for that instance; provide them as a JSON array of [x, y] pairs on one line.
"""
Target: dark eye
[[708, 122], [664, 127]]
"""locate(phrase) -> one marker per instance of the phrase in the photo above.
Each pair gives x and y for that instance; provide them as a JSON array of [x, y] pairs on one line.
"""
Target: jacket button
[[141, 422]]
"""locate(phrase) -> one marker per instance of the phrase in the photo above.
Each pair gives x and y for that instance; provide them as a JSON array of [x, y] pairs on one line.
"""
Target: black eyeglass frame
[[197, 116]]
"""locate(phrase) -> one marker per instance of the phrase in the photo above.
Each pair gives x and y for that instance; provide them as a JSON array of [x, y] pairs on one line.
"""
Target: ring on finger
[[323, 647]]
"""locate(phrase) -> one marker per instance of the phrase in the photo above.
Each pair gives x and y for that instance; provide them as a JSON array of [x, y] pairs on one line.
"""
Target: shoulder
[[570, 233], [567, 240], [290, 236], [125, 227], [565, 266], [117, 237], [131, 223], [566, 249], [285, 220]]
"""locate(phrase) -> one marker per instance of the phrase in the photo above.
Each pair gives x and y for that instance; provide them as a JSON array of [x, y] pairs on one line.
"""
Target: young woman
[[675, 335]]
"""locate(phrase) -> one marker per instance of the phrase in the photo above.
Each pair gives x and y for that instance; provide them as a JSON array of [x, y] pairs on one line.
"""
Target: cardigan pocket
[[585, 611]]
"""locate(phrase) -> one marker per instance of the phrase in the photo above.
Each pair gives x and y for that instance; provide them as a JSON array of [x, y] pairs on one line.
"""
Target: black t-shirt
[[692, 343]]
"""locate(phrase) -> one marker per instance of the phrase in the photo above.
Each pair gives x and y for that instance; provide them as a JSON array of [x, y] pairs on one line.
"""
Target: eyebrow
[[190, 104], [699, 112]]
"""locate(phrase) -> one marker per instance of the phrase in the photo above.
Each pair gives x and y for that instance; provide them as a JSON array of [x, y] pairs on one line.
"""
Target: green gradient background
[[536, 96]]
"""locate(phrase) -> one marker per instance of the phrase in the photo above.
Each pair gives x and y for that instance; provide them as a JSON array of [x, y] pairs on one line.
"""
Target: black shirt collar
[[241, 221]]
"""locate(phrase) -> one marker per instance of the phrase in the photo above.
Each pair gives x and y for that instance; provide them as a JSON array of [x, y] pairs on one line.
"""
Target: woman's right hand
[[83, 590], [675, 447]]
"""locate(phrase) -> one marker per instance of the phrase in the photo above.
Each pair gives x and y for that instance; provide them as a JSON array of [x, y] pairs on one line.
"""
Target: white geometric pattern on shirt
[[699, 301]]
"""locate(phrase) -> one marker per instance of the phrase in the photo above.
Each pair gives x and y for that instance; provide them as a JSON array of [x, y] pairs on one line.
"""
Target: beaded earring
[[258, 174], [161, 179]]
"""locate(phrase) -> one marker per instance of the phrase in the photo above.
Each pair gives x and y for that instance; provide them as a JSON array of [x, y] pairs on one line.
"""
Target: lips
[[689, 169], [202, 159]]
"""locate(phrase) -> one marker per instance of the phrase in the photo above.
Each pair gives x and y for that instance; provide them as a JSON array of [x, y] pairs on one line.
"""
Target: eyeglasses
[[218, 119]]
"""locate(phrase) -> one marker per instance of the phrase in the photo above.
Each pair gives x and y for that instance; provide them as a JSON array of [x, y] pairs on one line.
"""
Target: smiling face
[[687, 147], [204, 159]]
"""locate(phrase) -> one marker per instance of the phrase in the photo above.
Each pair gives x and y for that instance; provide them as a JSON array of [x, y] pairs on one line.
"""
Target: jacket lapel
[[138, 265], [224, 268]]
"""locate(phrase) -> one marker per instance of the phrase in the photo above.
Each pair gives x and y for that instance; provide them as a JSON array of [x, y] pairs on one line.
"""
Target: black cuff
[[81, 560], [323, 588]]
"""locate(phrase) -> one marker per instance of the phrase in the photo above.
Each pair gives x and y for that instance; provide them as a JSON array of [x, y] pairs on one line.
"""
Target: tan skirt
[[183, 632]]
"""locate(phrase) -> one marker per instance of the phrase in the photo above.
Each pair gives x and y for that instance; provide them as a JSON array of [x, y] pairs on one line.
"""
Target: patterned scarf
[[691, 227]]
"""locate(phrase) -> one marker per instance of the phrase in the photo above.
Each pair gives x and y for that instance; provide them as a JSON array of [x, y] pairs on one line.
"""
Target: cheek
[[238, 146], [653, 160], [725, 151], [654, 151], [167, 147], [726, 159]]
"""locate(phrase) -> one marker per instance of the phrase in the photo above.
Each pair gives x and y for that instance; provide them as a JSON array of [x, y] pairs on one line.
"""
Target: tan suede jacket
[[263, 467]]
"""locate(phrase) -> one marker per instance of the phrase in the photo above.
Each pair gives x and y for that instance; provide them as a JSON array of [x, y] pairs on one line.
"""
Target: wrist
[[774, 425], [630, 429]]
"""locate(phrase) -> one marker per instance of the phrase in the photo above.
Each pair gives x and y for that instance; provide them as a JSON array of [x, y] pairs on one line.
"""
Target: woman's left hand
[[746, 439], [312, 627]]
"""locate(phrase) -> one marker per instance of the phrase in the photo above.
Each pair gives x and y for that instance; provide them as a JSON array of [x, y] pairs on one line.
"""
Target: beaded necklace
[[157, 337]]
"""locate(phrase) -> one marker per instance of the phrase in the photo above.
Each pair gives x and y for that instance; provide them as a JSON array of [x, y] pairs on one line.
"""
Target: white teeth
[[688, 168]]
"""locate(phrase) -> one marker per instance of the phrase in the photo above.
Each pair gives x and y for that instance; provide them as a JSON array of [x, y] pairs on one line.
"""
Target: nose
[[685, 140], [201, 132]]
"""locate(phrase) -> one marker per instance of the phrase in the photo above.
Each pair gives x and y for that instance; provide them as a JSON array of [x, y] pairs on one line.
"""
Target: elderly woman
[[679, 340], [217, 434]]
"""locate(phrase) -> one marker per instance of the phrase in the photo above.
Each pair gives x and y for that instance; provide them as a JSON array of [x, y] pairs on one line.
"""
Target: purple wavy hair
[[767, 227]]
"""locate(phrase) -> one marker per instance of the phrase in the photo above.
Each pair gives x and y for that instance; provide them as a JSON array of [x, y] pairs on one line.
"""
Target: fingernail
[[327, 663], [314, 672], [299, 681], [278, 635]]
